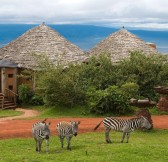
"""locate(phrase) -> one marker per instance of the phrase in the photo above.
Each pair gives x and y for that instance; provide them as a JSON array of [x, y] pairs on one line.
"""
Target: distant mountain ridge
[[84, 36]]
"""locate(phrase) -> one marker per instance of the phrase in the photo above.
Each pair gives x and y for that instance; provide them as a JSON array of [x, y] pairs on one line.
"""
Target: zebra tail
[[98, 125]]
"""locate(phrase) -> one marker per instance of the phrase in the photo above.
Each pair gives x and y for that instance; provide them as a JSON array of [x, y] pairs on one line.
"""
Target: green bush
[[130, 89], [61, 86], [25, 94], [99, 72], [74, 85], [109, 101], [36, 100], [145, 71], [28, 96]]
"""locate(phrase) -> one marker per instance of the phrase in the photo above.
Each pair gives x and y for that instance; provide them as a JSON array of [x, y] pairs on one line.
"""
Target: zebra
[[67, 130], [41, 131], [123, 125]]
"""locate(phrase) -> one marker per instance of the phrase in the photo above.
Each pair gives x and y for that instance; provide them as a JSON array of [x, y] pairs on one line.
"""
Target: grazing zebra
[[41, 131], [124, 125], [67, 130]]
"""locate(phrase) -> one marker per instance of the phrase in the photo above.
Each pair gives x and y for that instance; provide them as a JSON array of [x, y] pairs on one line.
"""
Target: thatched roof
[[119, 44], [41, 40]]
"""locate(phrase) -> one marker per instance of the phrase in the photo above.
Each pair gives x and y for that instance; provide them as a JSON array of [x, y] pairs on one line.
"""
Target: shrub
[[109, 101], [25, 93], [36, 100], [60, 86], [136, 76], [130, 89], [146, 71], [99, 72]]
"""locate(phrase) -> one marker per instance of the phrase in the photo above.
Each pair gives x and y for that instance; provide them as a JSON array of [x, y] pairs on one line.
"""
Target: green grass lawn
[[6, 113], [148, 146]]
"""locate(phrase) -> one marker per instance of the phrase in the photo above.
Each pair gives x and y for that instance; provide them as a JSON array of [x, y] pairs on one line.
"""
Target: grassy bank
[[81, 111], [143, 146], [77, 111], [7, 113]]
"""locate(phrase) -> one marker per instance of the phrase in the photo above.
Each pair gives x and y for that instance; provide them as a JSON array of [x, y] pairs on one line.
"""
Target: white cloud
[[149, 13]]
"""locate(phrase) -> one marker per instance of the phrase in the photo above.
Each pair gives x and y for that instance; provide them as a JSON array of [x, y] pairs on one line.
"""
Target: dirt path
[[26, 114], [10, 128]]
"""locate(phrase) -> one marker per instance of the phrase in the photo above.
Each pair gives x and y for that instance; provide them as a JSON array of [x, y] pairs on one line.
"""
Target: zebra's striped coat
[[124, 125], [67, 130], [41, 131]]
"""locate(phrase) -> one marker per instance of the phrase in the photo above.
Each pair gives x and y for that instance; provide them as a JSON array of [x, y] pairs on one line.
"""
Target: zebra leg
[[107, 131], [62, 141], [123, 136], [40, 143], [36, 145], [47, 145], [128, 135], [68, 141]]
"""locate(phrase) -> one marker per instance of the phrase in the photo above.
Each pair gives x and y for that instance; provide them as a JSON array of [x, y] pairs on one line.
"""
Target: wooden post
[[3, 80]]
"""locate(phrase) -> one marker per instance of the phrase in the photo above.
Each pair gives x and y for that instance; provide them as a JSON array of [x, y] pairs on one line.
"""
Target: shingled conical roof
[[119, 44], [41, 40]]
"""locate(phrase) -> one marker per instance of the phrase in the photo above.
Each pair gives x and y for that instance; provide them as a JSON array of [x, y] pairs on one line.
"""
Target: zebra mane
[[132, 119], [44, 121]]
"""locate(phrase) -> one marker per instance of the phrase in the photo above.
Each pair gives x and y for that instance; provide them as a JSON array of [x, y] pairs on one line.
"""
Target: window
[[10, 87], [10, 75]]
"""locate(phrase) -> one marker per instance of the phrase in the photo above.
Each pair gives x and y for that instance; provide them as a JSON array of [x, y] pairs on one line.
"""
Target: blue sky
[[148, 14]]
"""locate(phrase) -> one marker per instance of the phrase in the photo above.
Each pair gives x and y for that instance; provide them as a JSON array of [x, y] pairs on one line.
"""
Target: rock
[[145, 112], [163, 103]]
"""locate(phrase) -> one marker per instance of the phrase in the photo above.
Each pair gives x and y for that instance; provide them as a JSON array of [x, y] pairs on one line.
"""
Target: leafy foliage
[[36, 100], [28, 96], [25, 94], [145, 71], [112, 100], [61, 87], [130, 89], [99, 72], [90, 83]]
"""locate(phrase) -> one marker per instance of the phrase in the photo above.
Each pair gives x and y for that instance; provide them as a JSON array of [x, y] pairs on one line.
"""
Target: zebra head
[[74, 125], [46, 130], [145, 123]]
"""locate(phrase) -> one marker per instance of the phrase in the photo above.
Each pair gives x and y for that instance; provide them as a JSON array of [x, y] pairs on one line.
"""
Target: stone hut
[[120, 43], [18, 55]]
